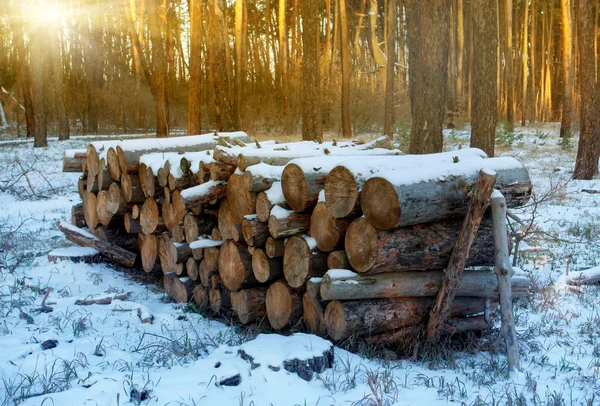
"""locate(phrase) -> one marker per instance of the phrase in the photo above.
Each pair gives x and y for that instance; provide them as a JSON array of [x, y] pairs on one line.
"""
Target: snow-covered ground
[[104, 355]]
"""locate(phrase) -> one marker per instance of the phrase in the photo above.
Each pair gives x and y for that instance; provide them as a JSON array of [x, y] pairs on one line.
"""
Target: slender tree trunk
[[217, 56], [586, 165], [59, 83], [390, 102], [428, 54], [485, 65], [532, 62], [160, 65], [23, 74], [240, 56], [567, 66], [509, 61], [460, 50], [36, 48], [378, 55], [195, 92], [283, 57], [525, 63], [345, 60], [312, 127]]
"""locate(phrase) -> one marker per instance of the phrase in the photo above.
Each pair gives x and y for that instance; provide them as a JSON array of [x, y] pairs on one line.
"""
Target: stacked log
[[298, 233]]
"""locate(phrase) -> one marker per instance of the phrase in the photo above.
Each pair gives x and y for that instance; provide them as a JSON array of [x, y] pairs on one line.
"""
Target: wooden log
[[201, 296], [352, 286], [302, 260], [301, 185], [149, 184], [266, 269], [249, 304], [112, 164], [235, 266], [236, 233], [241, 201], [313, 287], [205, 271], [479, 200], [181, 290], [313, 315], [201, 195], [132, 188], [82, 186], [412, 248], [171, 253], [328, 231], [195, 226], [285, 223], [344, 183], [177, 233], [216, 234], [135, 211], [225, 220], [338, 260], [130, 151], [284, 305], [148, 250], [589, 276], [72, 160], [260, 177], [220, 171], [149, 216], [104, 216], [255, 232], [77, 217], [90, 212], [197, 253], [265, 201], [117, 236], [219, 300], [214, 281], [92, 165], [274, 247], [390, 200], [110, 251], [503, 272], [103, 180], [225, 156], [366, 317]]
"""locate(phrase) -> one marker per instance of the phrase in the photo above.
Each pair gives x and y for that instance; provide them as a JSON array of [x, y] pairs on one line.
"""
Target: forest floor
[[103, 351]]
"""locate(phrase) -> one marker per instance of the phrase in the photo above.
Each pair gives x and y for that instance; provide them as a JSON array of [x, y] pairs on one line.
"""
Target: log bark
[[328, 231], [235, 266], [177, 233], [287, 224], [117, 236], [255, 232], [420, 247], [112, 164], [344, 183], [72, 160], [249, 304], [482, 284], [302, 261], [148, 250], [480, 198], [284, 305], [181, 290], [367, 317], [258, 178], [77, 217], [390, 201], [171, 253], [110, 251], [266, 269], [503, 271], [274, 247], [201, 195], [338, 260], [220, 171]]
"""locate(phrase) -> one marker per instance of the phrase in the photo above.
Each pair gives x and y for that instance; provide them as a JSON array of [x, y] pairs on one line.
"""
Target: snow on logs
[[401, 198], [273, 232]]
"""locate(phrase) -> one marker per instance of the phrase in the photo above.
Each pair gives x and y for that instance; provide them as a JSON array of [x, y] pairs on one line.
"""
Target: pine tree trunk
[[312, 121], [428, 53], [345, 61], [195, 92], [159, 63], [485, 34], [390, 70], [567, 66]]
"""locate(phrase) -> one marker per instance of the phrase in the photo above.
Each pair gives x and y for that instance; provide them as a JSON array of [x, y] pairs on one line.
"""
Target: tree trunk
[[390, 71], [525, 56], [586, 164], [312, 121], [195, 92], [345, 62], [485, 67], [427, 23], [38, 87]]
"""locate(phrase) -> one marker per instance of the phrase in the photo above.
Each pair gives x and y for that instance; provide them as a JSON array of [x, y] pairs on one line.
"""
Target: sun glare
[[47, 13]]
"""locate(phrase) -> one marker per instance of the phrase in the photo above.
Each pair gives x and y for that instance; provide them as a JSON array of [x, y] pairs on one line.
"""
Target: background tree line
[[346, 66]]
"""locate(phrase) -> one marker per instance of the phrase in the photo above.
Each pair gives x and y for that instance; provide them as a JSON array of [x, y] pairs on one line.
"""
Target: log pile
[[296, 234]]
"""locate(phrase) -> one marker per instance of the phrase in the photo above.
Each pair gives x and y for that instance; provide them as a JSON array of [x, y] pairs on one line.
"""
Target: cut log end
[[380, 203], [360, 244], [341, 192], [295, 190], [335, 321], [283, 305]]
